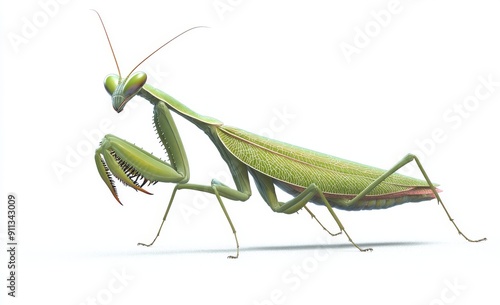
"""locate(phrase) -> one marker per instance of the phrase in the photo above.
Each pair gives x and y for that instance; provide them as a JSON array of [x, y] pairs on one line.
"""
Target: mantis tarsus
[[307, 175]]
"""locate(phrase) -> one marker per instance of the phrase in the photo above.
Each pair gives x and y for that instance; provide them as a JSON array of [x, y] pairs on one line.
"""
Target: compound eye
[[111, 82], [134, 83]]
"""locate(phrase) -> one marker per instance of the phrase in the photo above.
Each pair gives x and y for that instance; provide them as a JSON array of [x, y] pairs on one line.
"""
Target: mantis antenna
[[151, 54]]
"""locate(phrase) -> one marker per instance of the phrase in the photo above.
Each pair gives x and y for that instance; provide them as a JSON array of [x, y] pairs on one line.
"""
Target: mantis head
[[122, 90]]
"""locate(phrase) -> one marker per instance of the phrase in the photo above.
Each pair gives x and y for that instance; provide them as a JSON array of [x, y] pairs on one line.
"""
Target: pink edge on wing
[[417, 191], [412, 192]]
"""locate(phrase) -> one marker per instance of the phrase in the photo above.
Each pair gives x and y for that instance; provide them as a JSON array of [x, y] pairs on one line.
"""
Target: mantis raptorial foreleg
[[112, 157], [131, 164]]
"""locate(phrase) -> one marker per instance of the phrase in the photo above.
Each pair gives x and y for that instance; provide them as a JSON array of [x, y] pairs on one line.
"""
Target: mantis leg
[[407, 159], [319, 222], [266, 188], [131, 165], [242, 193], [134, 166]]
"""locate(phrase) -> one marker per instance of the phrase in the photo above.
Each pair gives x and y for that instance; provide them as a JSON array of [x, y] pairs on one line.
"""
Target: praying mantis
[[307, 175]]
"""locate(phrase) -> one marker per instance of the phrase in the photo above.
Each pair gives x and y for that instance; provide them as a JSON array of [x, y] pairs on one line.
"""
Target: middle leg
[[266, 189]]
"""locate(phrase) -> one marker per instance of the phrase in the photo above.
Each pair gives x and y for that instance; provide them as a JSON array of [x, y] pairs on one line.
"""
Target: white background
[[258, 61]]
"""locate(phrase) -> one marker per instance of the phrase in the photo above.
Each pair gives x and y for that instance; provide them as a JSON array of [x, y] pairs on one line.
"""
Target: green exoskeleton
[[307, 175]]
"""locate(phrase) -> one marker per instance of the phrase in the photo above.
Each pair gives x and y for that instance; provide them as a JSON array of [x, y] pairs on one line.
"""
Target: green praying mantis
[[307, 175]]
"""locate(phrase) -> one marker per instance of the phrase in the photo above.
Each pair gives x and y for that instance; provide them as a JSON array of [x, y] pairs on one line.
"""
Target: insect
[[307, 175]]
